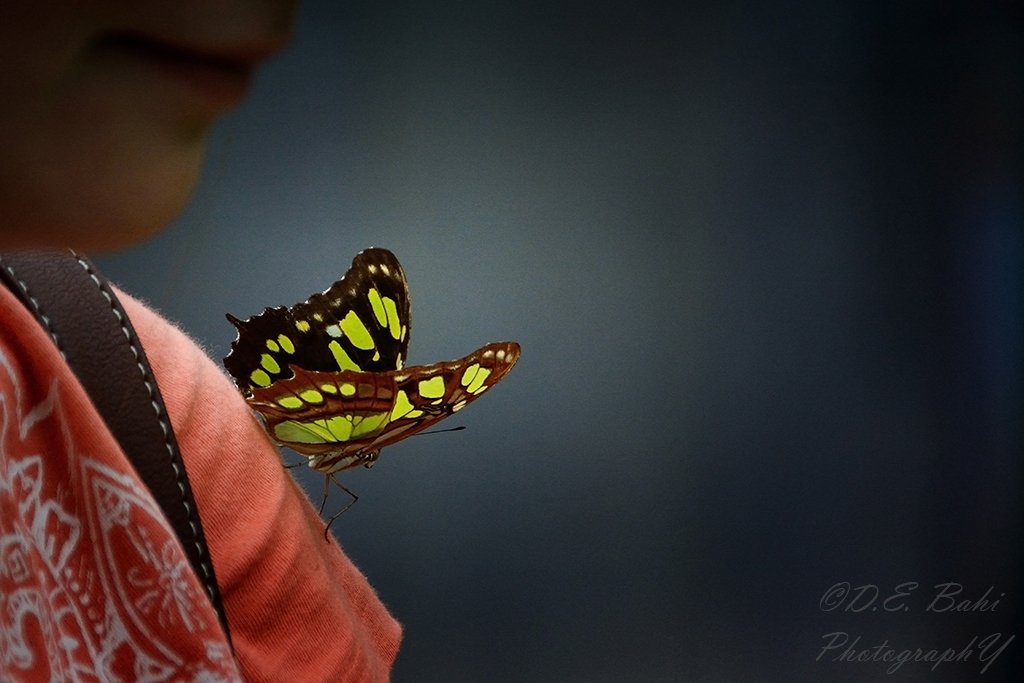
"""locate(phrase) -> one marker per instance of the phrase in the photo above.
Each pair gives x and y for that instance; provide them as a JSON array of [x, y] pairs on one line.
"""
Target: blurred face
[[106, 106]]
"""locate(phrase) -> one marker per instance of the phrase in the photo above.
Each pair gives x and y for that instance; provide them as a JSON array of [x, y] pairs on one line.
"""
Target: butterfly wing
[[360, 324], [343, 419]]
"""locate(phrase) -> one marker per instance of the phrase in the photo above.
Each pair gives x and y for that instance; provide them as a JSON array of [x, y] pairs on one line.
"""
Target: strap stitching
[[172, 453], [37, 310]]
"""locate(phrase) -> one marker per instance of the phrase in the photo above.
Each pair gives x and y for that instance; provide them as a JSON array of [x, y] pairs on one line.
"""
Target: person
[[107, 108]]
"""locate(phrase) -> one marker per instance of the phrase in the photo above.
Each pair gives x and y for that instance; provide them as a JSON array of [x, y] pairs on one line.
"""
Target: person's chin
[[155, 200], [134, 194]]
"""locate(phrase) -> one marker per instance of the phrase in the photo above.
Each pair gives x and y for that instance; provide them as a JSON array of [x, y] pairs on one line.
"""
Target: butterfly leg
[[327, 482], [327, 489], [287, 466]]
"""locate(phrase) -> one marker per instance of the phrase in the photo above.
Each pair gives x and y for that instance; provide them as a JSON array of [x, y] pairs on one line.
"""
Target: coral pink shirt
[[93, 583]]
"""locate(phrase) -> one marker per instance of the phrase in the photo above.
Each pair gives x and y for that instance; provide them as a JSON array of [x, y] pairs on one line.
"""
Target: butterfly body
[[328, 378]]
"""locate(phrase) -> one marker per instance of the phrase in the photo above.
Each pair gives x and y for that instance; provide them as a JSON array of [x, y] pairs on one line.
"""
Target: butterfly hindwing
[[360, 324], [343, 419]]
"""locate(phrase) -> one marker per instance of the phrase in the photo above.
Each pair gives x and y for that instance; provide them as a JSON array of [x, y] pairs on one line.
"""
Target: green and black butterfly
[[327, 375]]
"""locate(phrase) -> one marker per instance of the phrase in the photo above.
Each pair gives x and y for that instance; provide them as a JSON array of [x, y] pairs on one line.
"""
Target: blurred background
[[765, 263]]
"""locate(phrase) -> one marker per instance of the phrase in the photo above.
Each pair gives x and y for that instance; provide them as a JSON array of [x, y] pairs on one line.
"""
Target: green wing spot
[[432, 388], [341, 358], [477, 385], [469, 374], [340, 427], [356, 331], [302, 325], [376, 354], [311, 396], [269, 364], [260, 378], [301, 432], [402, 406], [378, 307], [394, 324], [369, 425], [272, 345], [286, 343], [328, 388], [290, 402], [348, 389]]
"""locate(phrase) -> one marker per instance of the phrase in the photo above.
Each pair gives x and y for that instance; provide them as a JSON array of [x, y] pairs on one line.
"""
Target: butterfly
[[327, 376]]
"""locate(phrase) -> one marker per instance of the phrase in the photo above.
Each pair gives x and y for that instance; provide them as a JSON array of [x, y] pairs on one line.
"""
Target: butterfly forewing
[[342, 419], [362, 324]]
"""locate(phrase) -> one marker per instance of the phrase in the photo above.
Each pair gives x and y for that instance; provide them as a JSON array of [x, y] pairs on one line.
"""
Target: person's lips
[[219, 76]]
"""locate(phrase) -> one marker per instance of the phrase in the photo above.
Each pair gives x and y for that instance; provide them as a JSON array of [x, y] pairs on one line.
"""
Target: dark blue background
[[764, 260]]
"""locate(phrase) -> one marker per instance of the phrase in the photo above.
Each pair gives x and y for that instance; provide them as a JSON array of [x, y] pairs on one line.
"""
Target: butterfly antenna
[[438, 431]]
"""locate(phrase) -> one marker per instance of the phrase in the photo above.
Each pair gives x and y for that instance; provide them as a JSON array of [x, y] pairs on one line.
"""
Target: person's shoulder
[[280, 579], [220, 440], [192, 385]]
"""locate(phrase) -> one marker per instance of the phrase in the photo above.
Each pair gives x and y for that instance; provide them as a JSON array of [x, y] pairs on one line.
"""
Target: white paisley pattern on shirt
[[93, 586]]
